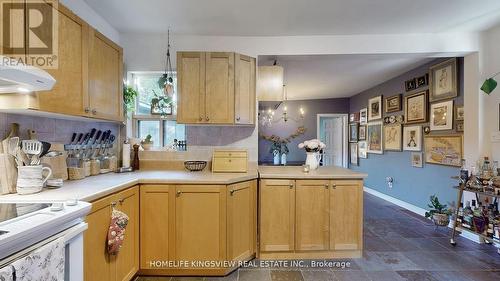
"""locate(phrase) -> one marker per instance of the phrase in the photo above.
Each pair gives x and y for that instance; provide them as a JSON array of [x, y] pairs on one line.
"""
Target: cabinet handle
[[87, 110], [179, 193], [94, 111], [229, 160], [207, 119], [121, 201], [334, 185], [291, 185], [238, 118], [201, 119], [232, 191], [113, 204], [326, 185]]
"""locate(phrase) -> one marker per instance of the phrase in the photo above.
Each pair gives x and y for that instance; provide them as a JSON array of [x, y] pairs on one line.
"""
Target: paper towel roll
[[126, 155]]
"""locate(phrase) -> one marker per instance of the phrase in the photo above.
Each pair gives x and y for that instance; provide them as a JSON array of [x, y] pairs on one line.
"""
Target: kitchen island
[[311, 215]]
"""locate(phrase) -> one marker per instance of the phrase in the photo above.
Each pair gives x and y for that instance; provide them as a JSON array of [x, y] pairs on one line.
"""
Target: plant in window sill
[[129, 95], [147, 143]]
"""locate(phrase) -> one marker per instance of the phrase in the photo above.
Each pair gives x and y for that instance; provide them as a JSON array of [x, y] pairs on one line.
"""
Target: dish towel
[[7, 273], [116, 231], [43, 264]]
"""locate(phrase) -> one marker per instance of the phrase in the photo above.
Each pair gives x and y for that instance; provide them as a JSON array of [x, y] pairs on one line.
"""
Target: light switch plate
[[495, 137]]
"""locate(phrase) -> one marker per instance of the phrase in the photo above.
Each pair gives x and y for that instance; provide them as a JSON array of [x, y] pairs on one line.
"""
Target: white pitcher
[[312, 160], [30, 179]]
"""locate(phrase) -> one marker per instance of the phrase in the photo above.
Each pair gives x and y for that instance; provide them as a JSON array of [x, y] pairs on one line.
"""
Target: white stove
[[27, 226]]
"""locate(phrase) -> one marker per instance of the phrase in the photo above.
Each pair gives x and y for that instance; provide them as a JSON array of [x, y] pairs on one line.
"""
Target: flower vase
[[276, 160], [283, 159], [312, 160]]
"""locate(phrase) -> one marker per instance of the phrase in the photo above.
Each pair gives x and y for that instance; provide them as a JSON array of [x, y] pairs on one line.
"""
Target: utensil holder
[[30, 179], [76, 173], [87, 168], [95, 167]]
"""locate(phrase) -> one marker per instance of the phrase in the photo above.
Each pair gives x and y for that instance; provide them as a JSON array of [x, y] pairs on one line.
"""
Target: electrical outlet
[[390, 181]]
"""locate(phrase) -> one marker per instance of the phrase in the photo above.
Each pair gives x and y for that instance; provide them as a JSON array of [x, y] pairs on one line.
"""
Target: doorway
[[332, 130]]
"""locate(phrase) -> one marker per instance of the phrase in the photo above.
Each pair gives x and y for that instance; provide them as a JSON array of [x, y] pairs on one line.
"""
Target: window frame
[[136, 118]]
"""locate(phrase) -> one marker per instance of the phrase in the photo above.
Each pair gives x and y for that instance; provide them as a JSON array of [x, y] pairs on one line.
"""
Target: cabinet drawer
[[230, 154], [236, 165]]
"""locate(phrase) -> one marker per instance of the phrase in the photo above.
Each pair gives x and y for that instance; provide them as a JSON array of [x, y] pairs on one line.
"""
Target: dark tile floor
[[399, 245]]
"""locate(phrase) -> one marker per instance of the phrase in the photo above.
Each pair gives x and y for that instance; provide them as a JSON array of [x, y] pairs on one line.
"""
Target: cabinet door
[[241, 227], [312, 215], [244, 94], [105, 78], [200, 223], [155, 224], [346, 219], [70, 93], [219, 97], [277, 215], [190, 87], [127, 260], [97, 263]]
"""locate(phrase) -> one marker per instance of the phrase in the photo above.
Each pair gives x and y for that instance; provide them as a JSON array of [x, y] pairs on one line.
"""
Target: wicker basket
[[441, 219], [195, 166]]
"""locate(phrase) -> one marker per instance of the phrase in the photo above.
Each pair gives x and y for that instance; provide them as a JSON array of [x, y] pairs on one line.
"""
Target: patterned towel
[[116, 231], [7, 273], [43, 264]]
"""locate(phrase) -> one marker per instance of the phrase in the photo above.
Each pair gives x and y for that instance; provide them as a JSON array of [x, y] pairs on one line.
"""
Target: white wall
[[83, 10]]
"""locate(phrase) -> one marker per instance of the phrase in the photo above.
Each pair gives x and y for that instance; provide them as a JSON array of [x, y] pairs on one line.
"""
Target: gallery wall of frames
[[410, 131]]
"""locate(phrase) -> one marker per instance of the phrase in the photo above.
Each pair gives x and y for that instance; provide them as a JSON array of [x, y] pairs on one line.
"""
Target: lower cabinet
[[98, 265], [310, 218]]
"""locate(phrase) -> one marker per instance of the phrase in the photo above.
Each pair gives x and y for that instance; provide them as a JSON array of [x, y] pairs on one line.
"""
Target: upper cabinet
[[89, 74], [215, 88]]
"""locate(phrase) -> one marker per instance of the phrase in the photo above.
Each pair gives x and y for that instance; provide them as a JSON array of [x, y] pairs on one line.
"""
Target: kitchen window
[[163, 129]]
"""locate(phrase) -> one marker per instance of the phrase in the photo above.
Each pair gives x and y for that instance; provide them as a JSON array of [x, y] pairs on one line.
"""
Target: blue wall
[[412, 185]]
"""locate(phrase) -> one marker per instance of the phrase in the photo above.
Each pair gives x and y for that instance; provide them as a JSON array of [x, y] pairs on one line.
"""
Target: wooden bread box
[[230, 161]]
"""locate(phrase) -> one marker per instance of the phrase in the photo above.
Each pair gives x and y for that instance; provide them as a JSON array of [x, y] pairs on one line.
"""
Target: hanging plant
[[166, 81], [161, 105], [129, 95]]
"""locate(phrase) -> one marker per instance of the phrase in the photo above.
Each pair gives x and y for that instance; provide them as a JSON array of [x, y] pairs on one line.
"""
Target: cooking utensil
[[32, 148], [12, 150], [14, 132], [72, 160], [45, 148]]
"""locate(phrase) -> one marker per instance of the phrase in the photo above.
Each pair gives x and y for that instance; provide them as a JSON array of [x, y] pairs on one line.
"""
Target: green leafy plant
[[284, 149], [275, 148], [129, 96], [164, 79], [148, 139], [163, 104], [436, 207]]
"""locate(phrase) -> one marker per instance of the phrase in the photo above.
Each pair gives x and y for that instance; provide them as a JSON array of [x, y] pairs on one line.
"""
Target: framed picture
[[410, 85], [459, 126], [362, 149], [363, 116], [427, 130], [393, 137], [353, 132], [394, 119], [444, 150], [375, 108], [393, 104], [160, 109], [442, 116], [416, 160], [443, 80], [412, 138], [422, 81], [354, 153], [459, 112], [354, 117], [362, 132], [416, 108], [375, 137]]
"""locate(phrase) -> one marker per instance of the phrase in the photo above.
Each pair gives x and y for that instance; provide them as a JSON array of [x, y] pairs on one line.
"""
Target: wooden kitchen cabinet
[[98, 264], [105, 78], [277, 215], [241, 220], [346, 215], [200, 223], [215, 88], [312, 215], [156, 219]]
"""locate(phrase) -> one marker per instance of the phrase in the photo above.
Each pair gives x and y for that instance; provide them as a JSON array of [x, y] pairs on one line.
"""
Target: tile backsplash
[[52, 129]]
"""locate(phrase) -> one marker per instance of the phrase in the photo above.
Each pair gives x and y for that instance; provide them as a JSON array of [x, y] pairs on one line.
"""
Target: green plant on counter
[[147, 139], [275, 148], [129, 95], [436, 207]]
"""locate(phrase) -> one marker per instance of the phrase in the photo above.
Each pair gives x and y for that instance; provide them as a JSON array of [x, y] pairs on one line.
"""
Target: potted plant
[[284, 151], [129, 95], [147, 143], [312, 148], [439, 213], [275, 150]]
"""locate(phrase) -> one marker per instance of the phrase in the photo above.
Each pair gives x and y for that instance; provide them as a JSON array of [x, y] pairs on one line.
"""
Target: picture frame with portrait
[[393, 103], [375, 108], [353, 132], [459, 126], [362, 149], [422, 81], [442, 116], [393, 137], [363, 116], [416, 108], [412, 138], [410, 85], [443, 80], [362, 133], [417, 160], [459, 112], [375, 137], [353, 147]]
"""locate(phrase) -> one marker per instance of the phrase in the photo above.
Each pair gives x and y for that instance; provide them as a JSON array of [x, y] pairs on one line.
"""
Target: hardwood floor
[[399, 245]]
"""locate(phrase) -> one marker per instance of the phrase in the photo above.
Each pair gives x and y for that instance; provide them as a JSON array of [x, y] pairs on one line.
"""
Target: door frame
[[345, 118]]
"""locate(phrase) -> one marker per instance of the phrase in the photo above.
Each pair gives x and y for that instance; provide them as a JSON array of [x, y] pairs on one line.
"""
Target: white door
[[332, 133]]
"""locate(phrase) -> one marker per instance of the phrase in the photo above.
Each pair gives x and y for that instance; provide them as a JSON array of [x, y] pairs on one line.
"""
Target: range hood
[[19, 78]]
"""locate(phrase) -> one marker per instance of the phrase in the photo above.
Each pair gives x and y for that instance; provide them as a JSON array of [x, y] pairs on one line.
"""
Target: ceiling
[[338, 76], [298, 17]]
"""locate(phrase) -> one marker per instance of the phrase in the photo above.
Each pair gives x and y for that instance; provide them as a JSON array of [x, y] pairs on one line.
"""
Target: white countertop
[[96, 187]]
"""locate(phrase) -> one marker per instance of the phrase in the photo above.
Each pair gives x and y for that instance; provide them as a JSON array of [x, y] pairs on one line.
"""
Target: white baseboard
[[416, 210]]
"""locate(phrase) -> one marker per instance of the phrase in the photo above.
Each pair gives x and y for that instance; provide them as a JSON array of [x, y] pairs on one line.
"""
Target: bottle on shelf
[[486, 168], [464, 172]]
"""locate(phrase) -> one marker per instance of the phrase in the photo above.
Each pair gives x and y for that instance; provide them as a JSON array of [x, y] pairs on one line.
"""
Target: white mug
[[30, 179]]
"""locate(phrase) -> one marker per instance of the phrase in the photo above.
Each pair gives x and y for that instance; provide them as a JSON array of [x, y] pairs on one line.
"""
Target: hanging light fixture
[[166, 82], [270, 82], [267, 117]]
